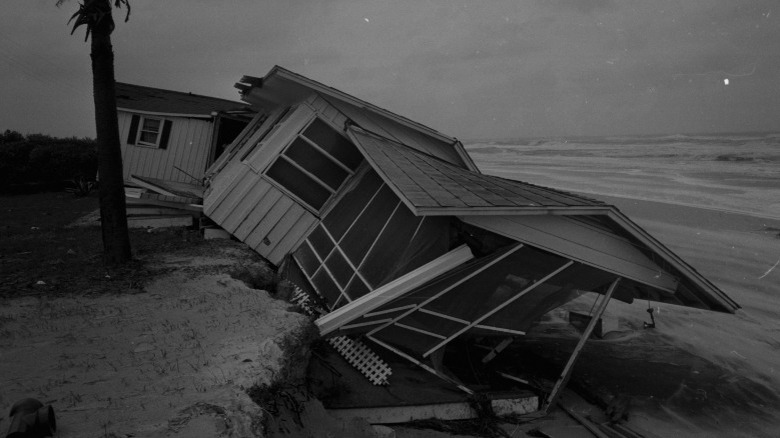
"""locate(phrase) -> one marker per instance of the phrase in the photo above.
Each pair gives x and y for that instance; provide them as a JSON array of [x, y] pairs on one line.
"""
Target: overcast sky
[[472, 69]]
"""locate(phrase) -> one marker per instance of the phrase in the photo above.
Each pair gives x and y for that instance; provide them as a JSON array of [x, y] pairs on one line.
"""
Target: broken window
[[276, 120], [315, 164]]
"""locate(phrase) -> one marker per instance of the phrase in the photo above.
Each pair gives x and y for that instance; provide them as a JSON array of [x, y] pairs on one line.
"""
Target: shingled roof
[[431, 186], [155, 100]]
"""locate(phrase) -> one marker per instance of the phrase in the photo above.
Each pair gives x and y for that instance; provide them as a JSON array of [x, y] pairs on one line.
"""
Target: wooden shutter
[[131, 136], [166, 134]]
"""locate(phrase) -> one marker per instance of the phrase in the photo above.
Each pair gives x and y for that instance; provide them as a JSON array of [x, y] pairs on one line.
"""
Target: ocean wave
[[735, 140]]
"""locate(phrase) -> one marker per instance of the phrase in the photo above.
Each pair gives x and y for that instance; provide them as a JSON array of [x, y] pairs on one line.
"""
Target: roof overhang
[[282, 87], [160, 114]]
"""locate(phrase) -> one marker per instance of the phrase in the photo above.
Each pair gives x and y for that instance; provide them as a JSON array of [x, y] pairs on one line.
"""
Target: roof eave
[[530, 210], [250, 90], [673, 259], [164, 114]]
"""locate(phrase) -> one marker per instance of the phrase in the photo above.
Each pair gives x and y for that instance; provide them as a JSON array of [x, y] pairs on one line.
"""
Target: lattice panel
[[363, 359], [355, 352]]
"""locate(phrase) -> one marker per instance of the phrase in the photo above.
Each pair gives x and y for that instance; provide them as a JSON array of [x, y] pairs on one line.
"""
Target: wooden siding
[[260, 215], [577, 240], [250, 207], [387, 128], [188, 149]]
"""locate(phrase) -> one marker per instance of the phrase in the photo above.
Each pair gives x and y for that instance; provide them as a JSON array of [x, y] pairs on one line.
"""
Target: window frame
[[160, 128], [300, 135]]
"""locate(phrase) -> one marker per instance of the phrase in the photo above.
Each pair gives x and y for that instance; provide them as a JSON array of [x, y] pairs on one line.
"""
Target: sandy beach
[[697, 373]]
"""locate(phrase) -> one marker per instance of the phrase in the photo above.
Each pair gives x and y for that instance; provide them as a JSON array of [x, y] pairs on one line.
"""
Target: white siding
[[188, 149], [249, 207]]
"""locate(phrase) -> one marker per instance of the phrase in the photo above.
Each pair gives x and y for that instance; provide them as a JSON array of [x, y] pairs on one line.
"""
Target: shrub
[[10, 137], [42, 159]]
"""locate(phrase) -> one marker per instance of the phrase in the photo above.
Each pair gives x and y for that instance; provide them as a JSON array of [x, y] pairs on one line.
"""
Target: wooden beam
[[497, 349], [373, 300], [169, 188], [422, 365], [156, 202], [564, 378], [451, 287]]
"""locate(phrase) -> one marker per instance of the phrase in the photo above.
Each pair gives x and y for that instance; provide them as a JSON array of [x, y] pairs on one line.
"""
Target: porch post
[[564, 378]]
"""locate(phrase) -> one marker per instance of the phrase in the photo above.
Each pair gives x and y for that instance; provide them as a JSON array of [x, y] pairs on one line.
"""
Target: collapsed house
[[171, 135], [393, 232], [169, 138]]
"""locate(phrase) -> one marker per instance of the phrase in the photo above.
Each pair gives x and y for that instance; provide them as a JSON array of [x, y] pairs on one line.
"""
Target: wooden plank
[[251, 209], [498, 349], [293, 237], [157, 202], [159, 221], [256, 236], [401, 285], [170, 188], [418, 330], [246, 222], [149, 210], [282, 227], [564, 378], [451, 287], [231, 196]]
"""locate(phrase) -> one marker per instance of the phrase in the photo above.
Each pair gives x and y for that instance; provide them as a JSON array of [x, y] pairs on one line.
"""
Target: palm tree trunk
[[113, 213]]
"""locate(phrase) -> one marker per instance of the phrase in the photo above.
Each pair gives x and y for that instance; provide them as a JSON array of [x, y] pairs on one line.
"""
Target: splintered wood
[[355, 352]]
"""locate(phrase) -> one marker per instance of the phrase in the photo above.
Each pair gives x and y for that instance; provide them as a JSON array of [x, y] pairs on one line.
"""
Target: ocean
[[732, 172]]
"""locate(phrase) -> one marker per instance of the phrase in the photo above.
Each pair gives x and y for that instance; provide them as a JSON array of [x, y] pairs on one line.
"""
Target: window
[[315, 164], [149, 131]]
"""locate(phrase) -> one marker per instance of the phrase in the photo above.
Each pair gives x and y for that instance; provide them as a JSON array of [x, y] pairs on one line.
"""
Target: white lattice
[[353, 351], [363, 359], [303, 301]]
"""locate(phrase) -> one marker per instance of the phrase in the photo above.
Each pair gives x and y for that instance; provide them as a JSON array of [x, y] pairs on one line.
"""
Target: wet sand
[[698, 373]]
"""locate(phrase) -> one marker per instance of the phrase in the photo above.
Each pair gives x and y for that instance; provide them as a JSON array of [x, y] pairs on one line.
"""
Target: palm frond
[[91, 13]]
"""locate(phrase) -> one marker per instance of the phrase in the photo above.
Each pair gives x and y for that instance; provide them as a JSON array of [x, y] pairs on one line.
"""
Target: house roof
[[155, 100], [282, 87], [430, 186], [610, 241]]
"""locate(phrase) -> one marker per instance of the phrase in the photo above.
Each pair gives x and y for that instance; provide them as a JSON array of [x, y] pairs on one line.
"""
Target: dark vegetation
[[36, 161], [40, 255]]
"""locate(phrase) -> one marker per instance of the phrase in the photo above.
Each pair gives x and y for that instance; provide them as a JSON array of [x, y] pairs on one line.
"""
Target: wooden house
[[174, 136], [393, 230]]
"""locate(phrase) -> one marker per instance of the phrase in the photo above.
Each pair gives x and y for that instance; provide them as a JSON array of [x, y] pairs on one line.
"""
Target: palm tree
[[96, 16]]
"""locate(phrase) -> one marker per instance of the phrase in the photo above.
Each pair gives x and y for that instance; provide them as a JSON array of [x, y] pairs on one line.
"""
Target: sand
[[174, 360]]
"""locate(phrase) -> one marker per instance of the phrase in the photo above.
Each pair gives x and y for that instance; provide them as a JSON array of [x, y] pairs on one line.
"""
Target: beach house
[[174, 136], [397, 237]]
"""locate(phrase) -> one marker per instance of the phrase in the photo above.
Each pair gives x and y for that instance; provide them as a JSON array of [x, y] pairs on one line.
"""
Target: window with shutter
[[149, 131]]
